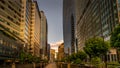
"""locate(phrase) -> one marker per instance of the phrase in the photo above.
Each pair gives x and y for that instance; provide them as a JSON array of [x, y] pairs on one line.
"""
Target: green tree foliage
[[30, 58], [96, 61], [77, 61], [95, 47], [115, 40], [115, 37], [82, 55], [73, 57], [37, 59], [22, 57], [77, 58]]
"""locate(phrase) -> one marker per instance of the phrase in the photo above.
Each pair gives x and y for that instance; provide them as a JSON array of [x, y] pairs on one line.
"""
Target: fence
[[68, 65], [38, 65]]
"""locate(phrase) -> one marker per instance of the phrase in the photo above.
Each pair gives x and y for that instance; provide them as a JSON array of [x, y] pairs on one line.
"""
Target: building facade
[[69, 26], [61, 52], [10, 20], [96, 18], [35, 30], [118, 6], [43, 37], [48, 51], [25, 22], [11, 16], [19, 27]]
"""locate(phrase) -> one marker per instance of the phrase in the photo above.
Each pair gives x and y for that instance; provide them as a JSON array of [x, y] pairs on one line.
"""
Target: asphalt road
[[51, 65]]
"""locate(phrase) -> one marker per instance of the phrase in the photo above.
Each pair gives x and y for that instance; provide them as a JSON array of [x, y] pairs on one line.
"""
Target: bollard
[[60, 65], [68, 65], [13, 65], [34, 65]]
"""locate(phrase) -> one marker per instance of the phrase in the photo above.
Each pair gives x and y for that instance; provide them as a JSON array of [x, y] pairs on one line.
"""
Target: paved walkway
[[51, 65]]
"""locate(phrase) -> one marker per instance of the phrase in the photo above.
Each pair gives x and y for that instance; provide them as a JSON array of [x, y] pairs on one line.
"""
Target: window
[[1, 41], [2, 8], [2, 1], [10, 18]]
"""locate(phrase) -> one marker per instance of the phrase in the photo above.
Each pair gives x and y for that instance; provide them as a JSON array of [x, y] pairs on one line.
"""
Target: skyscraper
[[96, 18], [43, 35], [48, 51], [10, 20], [19, 27], [35, 27], [69, 26], [25, 22], [92, 18]]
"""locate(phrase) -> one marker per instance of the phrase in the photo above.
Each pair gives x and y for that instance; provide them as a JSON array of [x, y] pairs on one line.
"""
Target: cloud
[[56, 44], [55, 48]]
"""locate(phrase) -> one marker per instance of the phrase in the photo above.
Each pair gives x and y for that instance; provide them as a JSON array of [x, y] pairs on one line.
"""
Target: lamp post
[[105, 56]]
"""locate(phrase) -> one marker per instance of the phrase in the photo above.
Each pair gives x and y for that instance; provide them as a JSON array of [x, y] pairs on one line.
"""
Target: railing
[[32, 65], [68, 65]]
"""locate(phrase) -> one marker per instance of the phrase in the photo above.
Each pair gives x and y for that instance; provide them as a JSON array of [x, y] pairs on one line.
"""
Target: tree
[[115, 37], [82, 55], [30, 58], [115, 40], [96, 47], [37, 59], [22, 57], [77, 61], [73, 57], [76, 58], [96, 61]]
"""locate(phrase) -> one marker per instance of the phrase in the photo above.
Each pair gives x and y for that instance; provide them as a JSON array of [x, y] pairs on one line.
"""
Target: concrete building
[[43, 33], [48, 51], [35, 30], [52, 55], [10, 20], [30, 26], [61, 52], [69, 26], [93, 18], [118, 6], [20, 25], [11, 15], [25, 22]]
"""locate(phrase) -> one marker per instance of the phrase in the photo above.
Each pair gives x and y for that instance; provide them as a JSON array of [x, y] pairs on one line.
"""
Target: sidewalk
[[51, 65]]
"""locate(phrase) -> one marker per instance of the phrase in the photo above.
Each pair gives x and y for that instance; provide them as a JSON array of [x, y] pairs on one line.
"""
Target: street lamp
[[105, 56]]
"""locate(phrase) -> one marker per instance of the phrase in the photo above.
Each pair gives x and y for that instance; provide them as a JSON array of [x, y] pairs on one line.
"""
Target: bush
[[96, 61], [77, 61]]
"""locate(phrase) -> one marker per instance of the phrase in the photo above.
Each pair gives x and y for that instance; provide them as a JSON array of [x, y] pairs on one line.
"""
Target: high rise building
[[69, 26], [43, 37], [11, 15], [48, 51], [25, 22], [118, 6], [35, 30], [10, 20], [30, 26], [92, 18], [19, 27], [96, 18]]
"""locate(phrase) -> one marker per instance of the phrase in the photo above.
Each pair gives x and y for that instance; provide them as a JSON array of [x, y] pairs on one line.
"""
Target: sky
[[53, 11]]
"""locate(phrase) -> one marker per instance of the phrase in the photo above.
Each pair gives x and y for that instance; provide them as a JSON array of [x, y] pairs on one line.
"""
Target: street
[[51, 65]]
